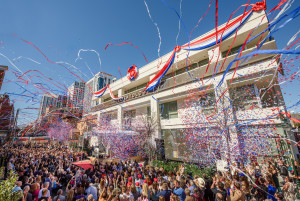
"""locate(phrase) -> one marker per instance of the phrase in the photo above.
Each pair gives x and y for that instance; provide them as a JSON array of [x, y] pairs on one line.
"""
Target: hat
[[200, 182], [128, 184], [139, 176], [137, 183], [130, 179], [15, 189], [155, 179], [145, 181]]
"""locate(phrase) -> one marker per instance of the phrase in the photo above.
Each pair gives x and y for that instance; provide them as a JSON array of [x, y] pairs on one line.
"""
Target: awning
[[84, 164]]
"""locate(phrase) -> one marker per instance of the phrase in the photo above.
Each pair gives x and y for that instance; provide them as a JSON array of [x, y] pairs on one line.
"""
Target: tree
[[6, 188], [60, 130], [147, 126]]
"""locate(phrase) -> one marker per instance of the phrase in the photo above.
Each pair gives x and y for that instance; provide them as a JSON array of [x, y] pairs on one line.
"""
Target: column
[[120, 112], [155, 115]]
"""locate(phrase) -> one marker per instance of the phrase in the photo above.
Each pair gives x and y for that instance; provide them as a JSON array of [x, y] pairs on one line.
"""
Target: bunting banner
[[113, 97], [101, 92], [155, 81], [223, 33], [206, 41]]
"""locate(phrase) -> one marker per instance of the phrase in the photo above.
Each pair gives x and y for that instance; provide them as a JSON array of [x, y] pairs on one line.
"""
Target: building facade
[[199, 117], [49, 101], [76, 95], [99, 81], [6, 116], [2, 73]]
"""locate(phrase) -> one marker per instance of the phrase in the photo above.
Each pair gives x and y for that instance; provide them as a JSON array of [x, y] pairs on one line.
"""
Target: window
[[203, 62], [136, 88], [149, 112], [207, 102], [130, 114], [169, 110], [107, 99], [245, 97], [233, 50]]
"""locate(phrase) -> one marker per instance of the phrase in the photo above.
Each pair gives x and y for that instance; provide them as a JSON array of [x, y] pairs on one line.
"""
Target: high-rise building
[[2, 73], [6, 116], [76, 95], [99, 81], [52, 101]]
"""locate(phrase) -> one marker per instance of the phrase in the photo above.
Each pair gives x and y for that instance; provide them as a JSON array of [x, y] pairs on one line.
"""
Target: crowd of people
[[46, 173]]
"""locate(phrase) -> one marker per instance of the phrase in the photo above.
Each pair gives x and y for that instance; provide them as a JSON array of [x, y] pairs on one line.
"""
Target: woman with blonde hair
[[101, 186], [145, 190], [70, 195]]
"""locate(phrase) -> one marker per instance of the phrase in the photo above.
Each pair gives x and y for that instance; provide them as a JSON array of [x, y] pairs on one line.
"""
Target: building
[[76, 95], [6, 116], [2, 73], [52, 101], [199, 117], [99, 81]]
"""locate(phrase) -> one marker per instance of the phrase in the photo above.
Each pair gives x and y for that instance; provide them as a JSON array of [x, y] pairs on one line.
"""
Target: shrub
[[6, 187], [191, 169]]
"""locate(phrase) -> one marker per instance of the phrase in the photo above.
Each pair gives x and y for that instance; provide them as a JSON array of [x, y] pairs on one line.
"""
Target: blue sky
[[60, 28]]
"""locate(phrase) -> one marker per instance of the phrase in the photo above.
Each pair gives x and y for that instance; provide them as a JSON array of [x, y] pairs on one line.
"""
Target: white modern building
[[197, 119], [99, 81], [76, 95]]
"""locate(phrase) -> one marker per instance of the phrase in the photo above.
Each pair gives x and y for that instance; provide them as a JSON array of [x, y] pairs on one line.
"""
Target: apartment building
[[99, 81], [76, 95], [49, 101], [199, 117]]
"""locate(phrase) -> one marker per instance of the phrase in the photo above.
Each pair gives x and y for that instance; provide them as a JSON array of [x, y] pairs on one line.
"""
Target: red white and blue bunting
[[206, 42], [102, 91], [223, 33], [155, 81]]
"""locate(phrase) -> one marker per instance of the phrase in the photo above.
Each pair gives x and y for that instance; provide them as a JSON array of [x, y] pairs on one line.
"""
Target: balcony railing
[[185, 78]]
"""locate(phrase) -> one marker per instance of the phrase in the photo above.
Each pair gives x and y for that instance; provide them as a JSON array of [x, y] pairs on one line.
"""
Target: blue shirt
[[92, 190], [271, 193], [180, 193]]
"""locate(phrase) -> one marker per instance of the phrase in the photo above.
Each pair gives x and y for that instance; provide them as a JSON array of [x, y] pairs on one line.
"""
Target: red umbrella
[[84, 164]]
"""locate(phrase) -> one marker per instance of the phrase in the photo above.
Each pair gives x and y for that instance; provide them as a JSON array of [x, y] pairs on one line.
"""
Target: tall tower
[[76, 95]]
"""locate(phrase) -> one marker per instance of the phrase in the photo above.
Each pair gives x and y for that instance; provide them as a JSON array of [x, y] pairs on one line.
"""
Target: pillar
[[155, 115], [120, 111]]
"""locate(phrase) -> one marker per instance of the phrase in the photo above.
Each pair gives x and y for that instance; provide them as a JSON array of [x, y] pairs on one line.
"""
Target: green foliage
[[6, 187], [189, 168], [73, 144]]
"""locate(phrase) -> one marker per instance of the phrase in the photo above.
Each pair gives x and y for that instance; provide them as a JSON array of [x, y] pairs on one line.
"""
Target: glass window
[[207, 102], [169, 110], [193, 66], [233, 50], [203, 62], [244, 97], [148, 111], [100, 83], [130, 114]]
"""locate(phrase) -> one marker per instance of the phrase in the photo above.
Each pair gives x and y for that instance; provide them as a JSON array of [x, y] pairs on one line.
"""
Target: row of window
[[243, 98], [177, 72]]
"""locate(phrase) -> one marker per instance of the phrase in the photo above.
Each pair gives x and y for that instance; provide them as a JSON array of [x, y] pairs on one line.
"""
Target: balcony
[[187, 77]]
